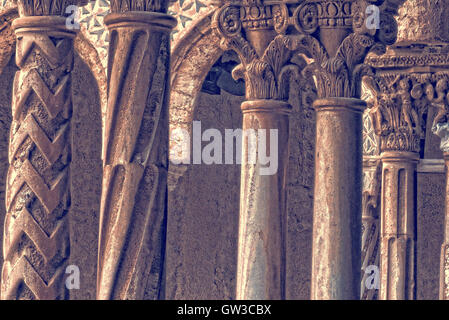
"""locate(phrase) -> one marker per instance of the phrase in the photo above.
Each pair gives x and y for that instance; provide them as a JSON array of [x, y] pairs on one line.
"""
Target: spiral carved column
[[36, 244], [135, 149]]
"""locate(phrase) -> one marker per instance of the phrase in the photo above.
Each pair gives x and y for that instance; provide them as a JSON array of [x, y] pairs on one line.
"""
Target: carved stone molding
[[135, 153], [192, 58]]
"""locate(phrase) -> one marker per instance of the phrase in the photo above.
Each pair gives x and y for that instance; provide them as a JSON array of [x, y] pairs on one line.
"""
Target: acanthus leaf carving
[[265, 76]]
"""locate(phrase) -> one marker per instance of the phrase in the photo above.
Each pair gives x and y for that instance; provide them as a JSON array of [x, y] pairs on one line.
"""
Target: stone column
[[335, 34], [36, 244], [135, 148], [409, 79], [266, 68], [397, 245], [263, 217], [338, 36], [337, 199]]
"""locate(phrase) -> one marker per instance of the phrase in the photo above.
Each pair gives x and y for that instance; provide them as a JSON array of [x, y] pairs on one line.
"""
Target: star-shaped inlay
[[92, 26], [185, 11]]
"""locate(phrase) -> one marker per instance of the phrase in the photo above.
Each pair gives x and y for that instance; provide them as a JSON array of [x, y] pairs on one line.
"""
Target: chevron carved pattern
[[36, 239]]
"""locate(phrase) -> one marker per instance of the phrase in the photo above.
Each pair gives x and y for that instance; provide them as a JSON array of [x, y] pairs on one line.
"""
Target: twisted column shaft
[[133, 203]]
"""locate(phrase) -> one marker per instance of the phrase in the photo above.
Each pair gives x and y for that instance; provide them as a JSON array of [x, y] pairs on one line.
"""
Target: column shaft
[[444, 262], [337, 199], [262, 226], [135, 148], [397, 225]]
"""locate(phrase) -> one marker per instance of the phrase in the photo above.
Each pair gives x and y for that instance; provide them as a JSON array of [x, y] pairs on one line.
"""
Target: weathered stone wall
[[430, 224], [423, 20], [86, 178], [6, 81]]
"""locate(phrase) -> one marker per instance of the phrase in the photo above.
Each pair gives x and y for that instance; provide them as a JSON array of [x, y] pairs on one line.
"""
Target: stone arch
[[192, 58]]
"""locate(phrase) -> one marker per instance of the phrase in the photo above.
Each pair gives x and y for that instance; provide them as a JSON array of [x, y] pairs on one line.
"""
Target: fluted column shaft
[[370, 228], [397, 225], [263, 217], [135, 144], [36, 244], [337, 199]]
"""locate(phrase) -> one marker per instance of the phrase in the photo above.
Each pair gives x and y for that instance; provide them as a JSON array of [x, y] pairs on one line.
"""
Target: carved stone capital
[[118, 6], [409, 79], [336, 34], [47, 7], [250, 28]]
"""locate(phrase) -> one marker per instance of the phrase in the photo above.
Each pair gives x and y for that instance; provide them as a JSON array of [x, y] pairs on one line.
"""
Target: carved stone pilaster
[[411, 84], [36, 244], [135, 148]]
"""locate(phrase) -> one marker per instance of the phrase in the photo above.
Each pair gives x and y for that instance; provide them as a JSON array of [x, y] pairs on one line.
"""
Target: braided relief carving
[[36, 240]]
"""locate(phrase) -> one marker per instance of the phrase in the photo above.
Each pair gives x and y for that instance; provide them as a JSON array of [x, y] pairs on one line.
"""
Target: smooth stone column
[[337, 199], [262, 226]]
